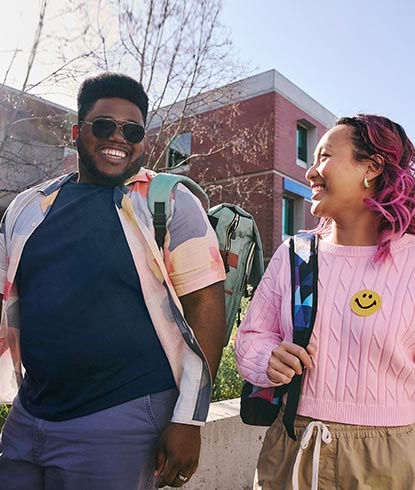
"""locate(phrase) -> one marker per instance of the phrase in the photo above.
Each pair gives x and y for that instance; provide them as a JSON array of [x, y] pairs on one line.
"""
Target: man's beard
[[89, 163]]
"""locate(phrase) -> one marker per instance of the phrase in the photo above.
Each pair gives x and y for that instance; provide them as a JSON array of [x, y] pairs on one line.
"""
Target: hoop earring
[[366, 183]]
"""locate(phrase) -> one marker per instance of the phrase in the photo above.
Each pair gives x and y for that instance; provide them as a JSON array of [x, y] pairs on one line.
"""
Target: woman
[[358, 395]]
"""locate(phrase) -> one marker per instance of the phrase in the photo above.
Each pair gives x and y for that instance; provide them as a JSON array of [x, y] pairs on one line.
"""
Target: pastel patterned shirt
[[190, 261]]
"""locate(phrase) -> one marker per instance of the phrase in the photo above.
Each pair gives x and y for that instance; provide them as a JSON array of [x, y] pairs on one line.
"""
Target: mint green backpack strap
[[159, 199], [257, 268]]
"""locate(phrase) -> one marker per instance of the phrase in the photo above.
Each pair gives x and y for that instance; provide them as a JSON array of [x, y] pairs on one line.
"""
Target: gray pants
[[113, 449]]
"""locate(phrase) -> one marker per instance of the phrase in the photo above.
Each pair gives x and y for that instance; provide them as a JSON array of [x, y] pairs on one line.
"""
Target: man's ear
[[75, 133]]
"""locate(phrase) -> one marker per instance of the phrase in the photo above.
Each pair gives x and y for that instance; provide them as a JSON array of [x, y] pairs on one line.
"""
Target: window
[[301, 143], [179, 150], [287, 217], [306, 142], [293, 207]]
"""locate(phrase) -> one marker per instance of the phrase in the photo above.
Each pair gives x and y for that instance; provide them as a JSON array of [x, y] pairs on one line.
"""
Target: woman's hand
[[287, 360]]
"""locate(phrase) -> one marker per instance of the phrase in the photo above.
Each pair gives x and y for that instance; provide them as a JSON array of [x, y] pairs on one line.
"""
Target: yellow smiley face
[[365, 302]]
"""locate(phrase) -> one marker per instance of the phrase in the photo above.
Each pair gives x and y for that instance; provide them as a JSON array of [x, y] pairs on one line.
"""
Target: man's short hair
[[107, 85]]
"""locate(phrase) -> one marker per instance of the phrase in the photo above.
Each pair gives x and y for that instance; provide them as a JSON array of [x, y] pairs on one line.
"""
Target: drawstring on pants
[[323, 434]]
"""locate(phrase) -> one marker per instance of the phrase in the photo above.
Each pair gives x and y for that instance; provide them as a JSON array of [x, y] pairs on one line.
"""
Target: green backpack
[[237, 233]]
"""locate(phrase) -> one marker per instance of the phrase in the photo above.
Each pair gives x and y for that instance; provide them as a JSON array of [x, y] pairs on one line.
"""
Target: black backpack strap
[[304, 276], [159, 222]]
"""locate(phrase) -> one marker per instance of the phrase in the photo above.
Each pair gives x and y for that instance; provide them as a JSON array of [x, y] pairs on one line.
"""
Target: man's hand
[[287, 360], [177, 455]]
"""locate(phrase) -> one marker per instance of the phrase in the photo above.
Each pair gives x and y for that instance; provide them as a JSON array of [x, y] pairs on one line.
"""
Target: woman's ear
[[375, 166], [75, 133]]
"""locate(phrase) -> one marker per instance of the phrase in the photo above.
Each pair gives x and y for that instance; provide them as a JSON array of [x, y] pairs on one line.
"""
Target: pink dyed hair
[[394, 197]]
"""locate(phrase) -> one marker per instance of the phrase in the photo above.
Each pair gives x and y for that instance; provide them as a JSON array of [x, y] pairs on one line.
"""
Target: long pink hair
[[394, 197]]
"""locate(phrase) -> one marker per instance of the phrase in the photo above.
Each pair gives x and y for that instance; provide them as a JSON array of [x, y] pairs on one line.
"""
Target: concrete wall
[[229, 450]]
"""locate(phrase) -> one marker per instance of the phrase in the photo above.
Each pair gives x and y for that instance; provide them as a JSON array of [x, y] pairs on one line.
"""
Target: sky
[[350, 55]]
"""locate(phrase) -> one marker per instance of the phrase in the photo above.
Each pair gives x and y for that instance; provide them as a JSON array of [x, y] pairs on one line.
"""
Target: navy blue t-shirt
[[87, 339]]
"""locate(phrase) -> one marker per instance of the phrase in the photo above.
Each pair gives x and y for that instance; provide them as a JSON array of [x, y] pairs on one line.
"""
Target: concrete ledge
[[229, 450]]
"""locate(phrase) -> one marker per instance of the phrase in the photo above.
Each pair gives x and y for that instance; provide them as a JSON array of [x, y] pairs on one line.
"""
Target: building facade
[[34, 142], [249, 143], [263, 135]]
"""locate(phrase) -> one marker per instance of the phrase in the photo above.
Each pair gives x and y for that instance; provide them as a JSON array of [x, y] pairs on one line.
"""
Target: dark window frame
[[302, 141], [287, 216]]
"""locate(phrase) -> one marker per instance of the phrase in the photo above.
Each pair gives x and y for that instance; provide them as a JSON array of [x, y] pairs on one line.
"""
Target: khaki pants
[[357, 458]]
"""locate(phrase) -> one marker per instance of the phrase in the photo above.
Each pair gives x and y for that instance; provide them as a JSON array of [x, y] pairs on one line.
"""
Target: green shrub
[[4, 410], [228, 382]]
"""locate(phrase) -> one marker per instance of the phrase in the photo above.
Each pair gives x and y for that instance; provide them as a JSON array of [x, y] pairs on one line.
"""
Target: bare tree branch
[[177, 49]]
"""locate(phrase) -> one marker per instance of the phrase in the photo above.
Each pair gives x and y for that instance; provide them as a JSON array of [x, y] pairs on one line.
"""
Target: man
[[115, 385]]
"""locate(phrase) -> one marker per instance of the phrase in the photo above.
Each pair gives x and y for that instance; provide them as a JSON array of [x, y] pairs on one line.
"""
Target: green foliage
[[228, 382], [4, 410]]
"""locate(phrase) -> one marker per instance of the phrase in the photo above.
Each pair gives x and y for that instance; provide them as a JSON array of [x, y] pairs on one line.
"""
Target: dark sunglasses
[[104, 127]]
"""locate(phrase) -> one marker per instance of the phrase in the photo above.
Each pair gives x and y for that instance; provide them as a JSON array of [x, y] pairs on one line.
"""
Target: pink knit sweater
[[364, 368]]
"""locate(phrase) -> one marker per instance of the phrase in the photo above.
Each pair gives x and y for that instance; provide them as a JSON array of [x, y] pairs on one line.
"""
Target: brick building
[[268, 129], [248, 143], [34, 137]]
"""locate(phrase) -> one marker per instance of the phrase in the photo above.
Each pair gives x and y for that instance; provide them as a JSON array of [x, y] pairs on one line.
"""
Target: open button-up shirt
[[190, 261]]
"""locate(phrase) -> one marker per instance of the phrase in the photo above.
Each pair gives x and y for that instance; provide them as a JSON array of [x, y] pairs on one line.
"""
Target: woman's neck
[[361, 232]]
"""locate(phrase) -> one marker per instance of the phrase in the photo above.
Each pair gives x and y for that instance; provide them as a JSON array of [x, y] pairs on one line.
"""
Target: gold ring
[[182, 478]]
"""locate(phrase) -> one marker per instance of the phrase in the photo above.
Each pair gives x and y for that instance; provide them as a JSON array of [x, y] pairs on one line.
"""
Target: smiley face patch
[[365, 302]]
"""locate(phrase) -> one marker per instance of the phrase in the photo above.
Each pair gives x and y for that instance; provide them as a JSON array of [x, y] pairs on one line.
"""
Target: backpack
[[260, 406], [237, 233]]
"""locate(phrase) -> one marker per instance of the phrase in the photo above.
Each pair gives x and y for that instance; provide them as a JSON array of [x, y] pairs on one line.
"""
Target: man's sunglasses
[[104, 127]]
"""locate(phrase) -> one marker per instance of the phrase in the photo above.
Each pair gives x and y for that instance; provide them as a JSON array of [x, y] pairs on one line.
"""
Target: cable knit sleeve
[[267, 322]]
